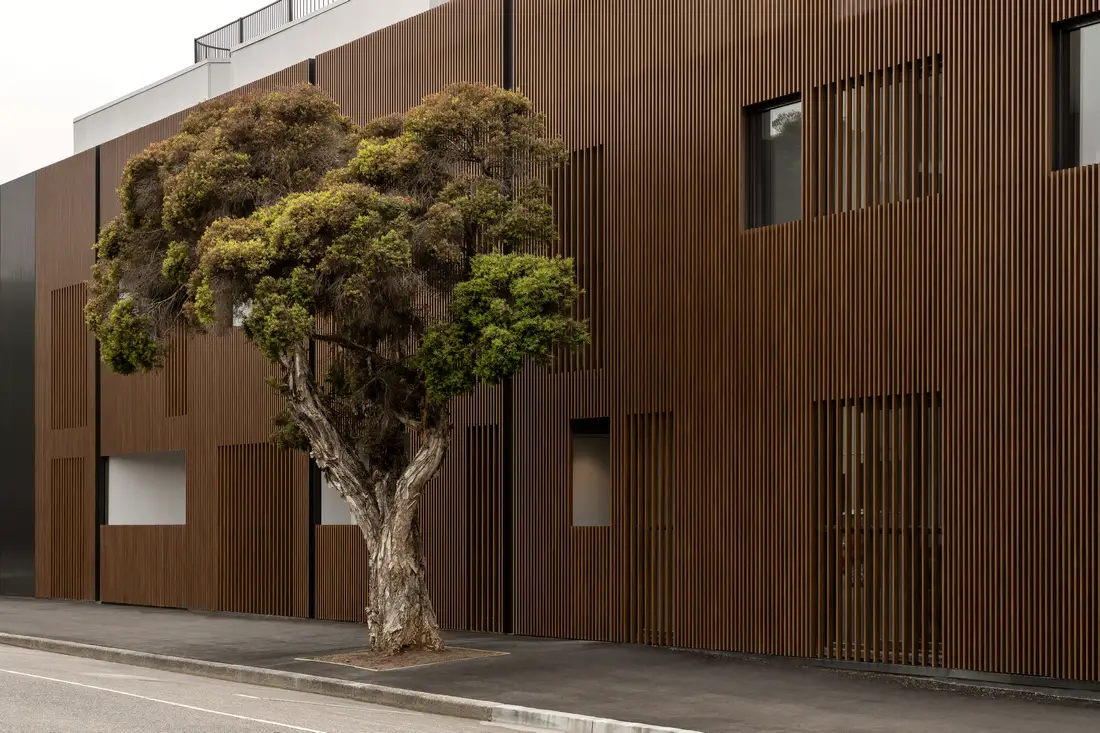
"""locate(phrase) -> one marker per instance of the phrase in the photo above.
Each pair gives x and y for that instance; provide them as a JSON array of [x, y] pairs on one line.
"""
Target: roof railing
[[219, 44]]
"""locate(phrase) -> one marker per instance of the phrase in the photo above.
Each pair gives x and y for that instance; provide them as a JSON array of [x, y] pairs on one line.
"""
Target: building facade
[[842, 273]]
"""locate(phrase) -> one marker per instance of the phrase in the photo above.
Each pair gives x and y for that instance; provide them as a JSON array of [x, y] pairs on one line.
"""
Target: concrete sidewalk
[[641, 684]]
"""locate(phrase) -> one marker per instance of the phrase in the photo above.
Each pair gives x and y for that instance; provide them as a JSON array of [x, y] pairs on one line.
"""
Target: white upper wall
[[155, 102], [305, 38]]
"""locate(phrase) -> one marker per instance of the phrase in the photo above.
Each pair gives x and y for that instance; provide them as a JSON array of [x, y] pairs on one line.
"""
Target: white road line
[[288, 726]]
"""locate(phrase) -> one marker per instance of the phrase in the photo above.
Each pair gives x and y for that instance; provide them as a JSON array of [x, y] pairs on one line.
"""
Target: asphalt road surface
[[53, 693]]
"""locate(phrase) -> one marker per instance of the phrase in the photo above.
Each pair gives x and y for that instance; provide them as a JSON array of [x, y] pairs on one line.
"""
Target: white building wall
[[155, 102], [305, 38], [147, 488]]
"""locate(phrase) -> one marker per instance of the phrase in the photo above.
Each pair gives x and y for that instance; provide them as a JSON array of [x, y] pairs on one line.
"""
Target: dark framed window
[[1077, 92], [774, 173]]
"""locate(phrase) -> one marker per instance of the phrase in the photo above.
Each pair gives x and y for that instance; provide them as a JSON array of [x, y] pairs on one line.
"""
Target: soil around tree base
[[378, 662]]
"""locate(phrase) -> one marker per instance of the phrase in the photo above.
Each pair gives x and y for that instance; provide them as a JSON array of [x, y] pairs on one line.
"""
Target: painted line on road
[[288, 726]]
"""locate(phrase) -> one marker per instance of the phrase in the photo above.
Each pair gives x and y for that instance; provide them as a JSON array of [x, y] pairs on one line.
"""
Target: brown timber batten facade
[[869, 434]]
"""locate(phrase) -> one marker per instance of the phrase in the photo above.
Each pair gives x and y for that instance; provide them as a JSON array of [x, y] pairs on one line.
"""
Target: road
[[53, 693]]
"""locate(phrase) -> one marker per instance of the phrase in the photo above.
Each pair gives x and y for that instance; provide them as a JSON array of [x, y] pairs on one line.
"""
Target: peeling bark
[[400, 616]]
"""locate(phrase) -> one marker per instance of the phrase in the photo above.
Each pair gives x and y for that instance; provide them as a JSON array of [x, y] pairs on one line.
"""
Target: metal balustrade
[[220, 43]]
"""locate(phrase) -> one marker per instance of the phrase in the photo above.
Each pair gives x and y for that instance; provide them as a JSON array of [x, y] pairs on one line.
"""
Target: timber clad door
[[879, 548], [256, 484]]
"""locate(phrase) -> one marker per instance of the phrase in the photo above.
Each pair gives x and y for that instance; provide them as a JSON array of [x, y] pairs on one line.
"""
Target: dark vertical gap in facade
[[100, 462], [507, 388], [314, 489], [314, 469]]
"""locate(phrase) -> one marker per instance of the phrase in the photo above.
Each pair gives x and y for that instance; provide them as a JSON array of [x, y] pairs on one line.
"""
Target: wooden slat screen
[[256, 485], [577, 194], [879, 508], [879, 137], [68, 358], [483, 528], [648, 518], [71, 507], [175, 376]]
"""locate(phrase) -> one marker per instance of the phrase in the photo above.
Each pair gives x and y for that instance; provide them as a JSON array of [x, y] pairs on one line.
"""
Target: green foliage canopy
[[412, 248]]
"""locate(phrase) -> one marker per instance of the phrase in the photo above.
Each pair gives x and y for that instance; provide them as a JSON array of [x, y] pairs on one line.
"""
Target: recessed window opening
[[147, 488], [334, 508], [775, 163], [1077, 92], [591, 472]]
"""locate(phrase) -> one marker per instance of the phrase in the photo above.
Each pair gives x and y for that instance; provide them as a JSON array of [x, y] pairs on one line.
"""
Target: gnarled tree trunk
[[400, 615]]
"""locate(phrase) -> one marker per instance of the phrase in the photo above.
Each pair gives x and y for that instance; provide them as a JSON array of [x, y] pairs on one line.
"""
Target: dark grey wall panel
[[17, 216]]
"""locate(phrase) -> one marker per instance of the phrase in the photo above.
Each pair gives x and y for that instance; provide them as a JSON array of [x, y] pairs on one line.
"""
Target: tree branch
[[328, 445], [422, 467]]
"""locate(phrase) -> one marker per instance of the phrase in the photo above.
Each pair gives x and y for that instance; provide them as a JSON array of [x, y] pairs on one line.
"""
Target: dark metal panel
[[17, 386]]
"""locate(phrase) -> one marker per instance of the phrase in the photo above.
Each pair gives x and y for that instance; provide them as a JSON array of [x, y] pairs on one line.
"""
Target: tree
[[414, 247]]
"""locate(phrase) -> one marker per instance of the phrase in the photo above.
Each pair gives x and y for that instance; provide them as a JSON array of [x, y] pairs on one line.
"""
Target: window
[[592, 472], [147, 488], [775, 163], [1077, 93], [878, 137]]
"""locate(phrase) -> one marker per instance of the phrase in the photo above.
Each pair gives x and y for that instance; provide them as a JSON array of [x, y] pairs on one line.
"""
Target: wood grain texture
[[144, 565]]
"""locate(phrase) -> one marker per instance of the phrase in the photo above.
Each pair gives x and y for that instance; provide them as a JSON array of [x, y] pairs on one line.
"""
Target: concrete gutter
[[423, 702]]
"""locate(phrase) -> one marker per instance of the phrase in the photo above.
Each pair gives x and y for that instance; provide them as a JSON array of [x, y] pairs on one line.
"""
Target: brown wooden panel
[[72, 506], [261, 491], [578, 198], [144, 565], [64, 395], [341, 573], [68, 358], [484, 523], [387, 71]]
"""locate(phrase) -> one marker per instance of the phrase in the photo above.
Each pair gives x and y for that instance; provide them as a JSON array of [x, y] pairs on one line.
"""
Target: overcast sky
[[62, 58]]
